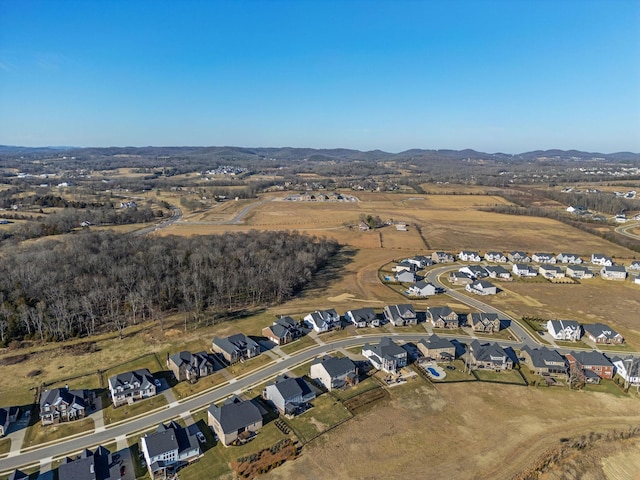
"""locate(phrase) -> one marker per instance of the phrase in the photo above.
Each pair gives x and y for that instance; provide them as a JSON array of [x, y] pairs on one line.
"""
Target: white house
[[363, 317], [334, 372], [628, 369], [564, 330], [289, 395], [386, 356], [551, 271], [569, 258], [469, 256], [322, 320], [635, 265], [169, 448], [543, 258], [613, 272], [498, 271], [523, 270], [496, 257], [481, 287], [601, 259], [422, 289], [578, 271], [131, 386], [518, 256], [420, 261], [474, 271]]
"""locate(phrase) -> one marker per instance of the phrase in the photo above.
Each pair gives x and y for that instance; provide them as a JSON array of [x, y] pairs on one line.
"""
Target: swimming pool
[[434, 372]]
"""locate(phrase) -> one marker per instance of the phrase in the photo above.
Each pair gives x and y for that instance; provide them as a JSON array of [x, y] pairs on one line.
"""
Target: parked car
[[200, 437], [157, 383]]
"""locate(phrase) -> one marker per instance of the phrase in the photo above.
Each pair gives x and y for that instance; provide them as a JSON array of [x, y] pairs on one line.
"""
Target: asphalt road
[[176, 214], [624, 230], [109, 433]]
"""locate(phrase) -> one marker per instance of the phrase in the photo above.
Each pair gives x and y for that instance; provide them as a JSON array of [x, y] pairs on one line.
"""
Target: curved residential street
[[104, 435], [624, 230]]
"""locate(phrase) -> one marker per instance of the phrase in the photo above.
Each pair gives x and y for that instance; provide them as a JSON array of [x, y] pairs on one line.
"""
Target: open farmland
[[458, 431]]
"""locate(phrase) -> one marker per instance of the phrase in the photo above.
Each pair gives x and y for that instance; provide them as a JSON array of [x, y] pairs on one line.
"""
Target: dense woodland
[[91, 282]]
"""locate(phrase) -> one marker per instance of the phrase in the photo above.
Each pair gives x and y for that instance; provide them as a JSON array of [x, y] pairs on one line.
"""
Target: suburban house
[[578, 271], [628, 368], [131, 386], [96, 465], [422, 289], [386, 356], [573, 258], [613, 272], [169, 448], [601, 333], [7, 416], [635, 265], [498, 272], [363, 317], [437, 348], [564, 330], [484, 322], [322, 320], [459, 278], [481, 287], [234, 420], [543, 360], [543, 258], [420, 261], [282, 331], [62, 405], [334, 372], [442, 257], [443, 317], [289, 395], [551, 271], [235, 348], [523, 270], [518, 256], [593, 361], [601, 259], [468, 256], [401, 315], [405, 266], [405, 277], [474, 271], [495, 257], [489, 356], [190, 366]]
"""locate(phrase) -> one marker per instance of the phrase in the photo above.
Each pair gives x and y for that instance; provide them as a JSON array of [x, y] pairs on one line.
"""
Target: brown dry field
[[479, 431], [595, 300]]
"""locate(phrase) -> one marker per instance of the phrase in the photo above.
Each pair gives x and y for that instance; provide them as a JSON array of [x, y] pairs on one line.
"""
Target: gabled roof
[[57, 396], [437, 342], [591, 358], [482, 317], [235, 414], [91, 465], [543, 357], [235, 343], [559, 325], [197, 360], [631, 365], [482, 284], [336, 367], [497, 269], [578, 268], [286, 322], [437, 312], [363, 314], [615, 268], [401, 310], [422, 284], [600, 330], [291, 387], [17, 475], [387, 348], [127, 379], [488, 352]]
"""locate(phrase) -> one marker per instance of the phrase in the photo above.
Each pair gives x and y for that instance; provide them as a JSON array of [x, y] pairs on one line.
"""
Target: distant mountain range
[[319, 155]]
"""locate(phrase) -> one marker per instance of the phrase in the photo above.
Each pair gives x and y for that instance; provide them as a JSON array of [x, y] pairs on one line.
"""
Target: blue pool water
[[433, 371]]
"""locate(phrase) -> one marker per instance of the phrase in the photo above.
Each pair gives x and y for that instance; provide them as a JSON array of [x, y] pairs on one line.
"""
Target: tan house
[[443, 317], [234, 421], [436, 348], [190, 366]]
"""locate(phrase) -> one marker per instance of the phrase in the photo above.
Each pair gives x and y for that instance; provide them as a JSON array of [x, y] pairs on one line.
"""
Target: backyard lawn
[[327, 412]]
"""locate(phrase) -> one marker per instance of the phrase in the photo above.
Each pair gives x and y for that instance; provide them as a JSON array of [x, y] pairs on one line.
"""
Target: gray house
[[234, 420], [518, 256], [578, 271], [235, 348], [7, 416], [544, 361], [289, 395], [405, 277], [169, 448], [386, 356], [569, 258], [489, 356], [401, 315], [496, 257], [96, 465], [334, 372], [190, 366], [131, 386], [283, 330]]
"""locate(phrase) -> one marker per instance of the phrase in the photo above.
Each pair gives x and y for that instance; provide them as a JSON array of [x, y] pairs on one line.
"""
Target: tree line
[[92, 282]]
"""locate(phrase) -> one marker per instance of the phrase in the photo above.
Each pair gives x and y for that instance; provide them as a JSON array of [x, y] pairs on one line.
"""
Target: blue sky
[[507, 76]]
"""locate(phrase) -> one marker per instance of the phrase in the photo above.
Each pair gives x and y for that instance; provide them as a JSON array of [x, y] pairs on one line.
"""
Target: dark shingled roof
[[338, 366], [235, 414]]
